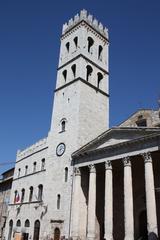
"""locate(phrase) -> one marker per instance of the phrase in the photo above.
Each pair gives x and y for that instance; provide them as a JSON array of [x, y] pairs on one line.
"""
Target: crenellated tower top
[[89, 19], [82, 89]]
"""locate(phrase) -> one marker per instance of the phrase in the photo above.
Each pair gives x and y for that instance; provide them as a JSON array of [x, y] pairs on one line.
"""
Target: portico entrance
[[116, 199]]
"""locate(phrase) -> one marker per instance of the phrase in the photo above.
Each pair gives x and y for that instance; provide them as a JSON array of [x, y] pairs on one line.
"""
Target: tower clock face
[[60, 149]]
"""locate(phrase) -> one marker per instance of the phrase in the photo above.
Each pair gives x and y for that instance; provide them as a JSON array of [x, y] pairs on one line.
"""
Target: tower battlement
[[42, 143], [87, 17]]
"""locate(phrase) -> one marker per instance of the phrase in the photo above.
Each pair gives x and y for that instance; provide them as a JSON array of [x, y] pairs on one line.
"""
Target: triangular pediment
[[114, 136]]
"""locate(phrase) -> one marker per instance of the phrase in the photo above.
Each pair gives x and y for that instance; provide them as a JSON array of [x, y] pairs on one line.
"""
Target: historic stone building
[[84, 180], [143, 118], [5, 190]]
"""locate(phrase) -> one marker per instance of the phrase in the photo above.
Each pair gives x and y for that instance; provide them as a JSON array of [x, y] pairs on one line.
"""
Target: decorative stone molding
[[127, 161], [92, 168], [77, 171], [108, 165], [147, 157]]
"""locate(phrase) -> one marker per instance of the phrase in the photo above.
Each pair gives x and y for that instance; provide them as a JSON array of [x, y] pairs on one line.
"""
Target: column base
[[129, 238], [75, 238], [91, 237], [108, 237]]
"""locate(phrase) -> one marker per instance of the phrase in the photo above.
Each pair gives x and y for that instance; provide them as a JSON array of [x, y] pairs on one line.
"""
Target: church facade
[[84, 180]]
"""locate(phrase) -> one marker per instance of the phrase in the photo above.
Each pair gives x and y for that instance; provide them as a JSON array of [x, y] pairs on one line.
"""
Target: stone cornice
[[31, 154], [120, 148], [87, 59], [84, 81], [24, 203], [18, 178], [110, 131]]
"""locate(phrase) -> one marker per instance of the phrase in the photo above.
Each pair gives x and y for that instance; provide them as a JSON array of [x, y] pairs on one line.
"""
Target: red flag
[[17, 198]]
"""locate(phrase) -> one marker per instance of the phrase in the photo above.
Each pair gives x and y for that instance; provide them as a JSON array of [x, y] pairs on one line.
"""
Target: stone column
[[108, 214], [128, 200], [150, 194], [76, 204], [91, 228]]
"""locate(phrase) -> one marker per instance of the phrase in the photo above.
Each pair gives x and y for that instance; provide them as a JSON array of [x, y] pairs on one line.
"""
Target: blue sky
[[29, 48]]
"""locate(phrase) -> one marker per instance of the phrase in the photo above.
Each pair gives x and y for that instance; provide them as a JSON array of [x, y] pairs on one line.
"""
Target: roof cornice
[[81, 152]]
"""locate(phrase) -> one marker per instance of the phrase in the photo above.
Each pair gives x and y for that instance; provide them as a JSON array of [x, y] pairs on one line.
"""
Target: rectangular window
[[34, 166]]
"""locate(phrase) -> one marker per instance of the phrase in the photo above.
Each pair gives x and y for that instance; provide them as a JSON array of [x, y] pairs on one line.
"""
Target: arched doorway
[[143, 225], [10, 229], [36, 230], [56, 234]]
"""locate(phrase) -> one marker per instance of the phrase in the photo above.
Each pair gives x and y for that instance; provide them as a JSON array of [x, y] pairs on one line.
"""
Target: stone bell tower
[[80, 111], [82, 95]]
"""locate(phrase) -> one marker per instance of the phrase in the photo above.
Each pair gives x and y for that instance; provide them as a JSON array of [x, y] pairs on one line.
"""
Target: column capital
[[147, 157], [126, 161], [77, 171], [108, 165], [92, 168]]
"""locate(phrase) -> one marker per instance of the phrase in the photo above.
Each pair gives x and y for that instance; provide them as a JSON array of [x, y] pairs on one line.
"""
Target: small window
[[30, 194], [67, 46], [74, 70], [100, 50], [66, 174], [22, 195], [63, 124], [65, 75], [27, 223], [34, 166], [26, 170], [11, 223], [43, 164], [89, 72], [15, 194], [76, 41], [36, 230], [18, 224], [40, 192], [142, 123], [90, 44], [58, 201], [140, 117], [19, 172], [99, 78]]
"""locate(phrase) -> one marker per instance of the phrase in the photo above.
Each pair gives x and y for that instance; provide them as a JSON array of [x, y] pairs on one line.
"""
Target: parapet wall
[[89, 19], [32, 149]]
